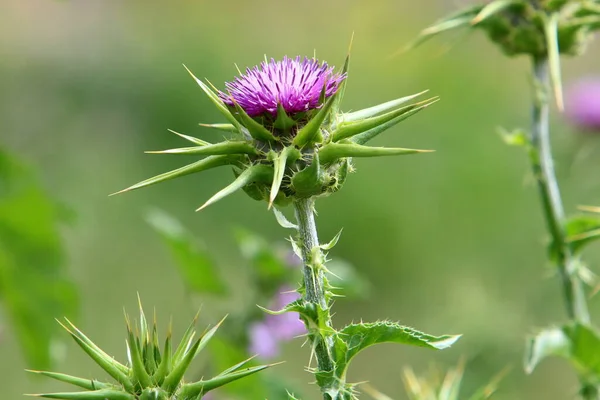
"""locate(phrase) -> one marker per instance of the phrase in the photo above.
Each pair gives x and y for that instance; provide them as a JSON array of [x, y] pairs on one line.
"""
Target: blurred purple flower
[[583, 104], [267, 335], [296, 84]]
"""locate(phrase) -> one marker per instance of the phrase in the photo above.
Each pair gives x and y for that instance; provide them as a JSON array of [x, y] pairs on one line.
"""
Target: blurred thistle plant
[[292, 144], [543, 30], [439, 386], [153, 372]]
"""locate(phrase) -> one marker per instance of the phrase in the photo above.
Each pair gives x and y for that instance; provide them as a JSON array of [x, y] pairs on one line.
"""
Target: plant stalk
[[315, 286], [552, 205]]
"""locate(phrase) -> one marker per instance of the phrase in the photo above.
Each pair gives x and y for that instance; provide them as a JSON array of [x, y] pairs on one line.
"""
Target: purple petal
[[295, 83]]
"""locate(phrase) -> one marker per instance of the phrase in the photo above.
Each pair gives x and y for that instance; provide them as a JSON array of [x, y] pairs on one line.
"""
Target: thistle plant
[[291, 144], [152, 372], [543, 30]]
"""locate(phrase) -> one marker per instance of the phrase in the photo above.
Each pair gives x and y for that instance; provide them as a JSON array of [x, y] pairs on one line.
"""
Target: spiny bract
[[290, 140], [150, 374]]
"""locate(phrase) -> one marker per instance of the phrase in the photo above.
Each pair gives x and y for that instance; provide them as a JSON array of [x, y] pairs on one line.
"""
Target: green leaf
[[551, 30], [137, 364], [199, 270], [549, 342], [311, 132], [105, 394], [256, 173], [349, 129], [310, 180], [216, 101], [378, 109], [256, 130], [334, 151], [365, 136], [282, 220], [89, 384], [517, 137], [333, 242], [180, 366], [491, 9], [584, 349], [279, 164], [582, 230], [35, 285], [227, 147], [199, 166], [357, 337]]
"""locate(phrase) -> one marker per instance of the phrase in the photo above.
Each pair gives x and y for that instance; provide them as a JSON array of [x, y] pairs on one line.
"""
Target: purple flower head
[[583, 104], [267, 335], [296, 84]]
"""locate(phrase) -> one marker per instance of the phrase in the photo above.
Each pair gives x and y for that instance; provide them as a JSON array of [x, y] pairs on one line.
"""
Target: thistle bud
[[290, 140], [153, 372]]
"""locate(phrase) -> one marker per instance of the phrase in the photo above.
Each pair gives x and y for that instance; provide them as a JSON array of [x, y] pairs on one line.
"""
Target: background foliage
[[452, 241]]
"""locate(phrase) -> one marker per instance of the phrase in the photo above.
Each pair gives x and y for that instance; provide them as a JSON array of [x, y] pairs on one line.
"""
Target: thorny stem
[[543, 169], [314, 283]]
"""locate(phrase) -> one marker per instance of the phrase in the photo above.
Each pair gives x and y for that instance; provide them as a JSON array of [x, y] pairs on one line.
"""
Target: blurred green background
[[452, 242]]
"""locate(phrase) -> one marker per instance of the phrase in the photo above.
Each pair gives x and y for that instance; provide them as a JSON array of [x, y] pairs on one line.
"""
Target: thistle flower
[[267, 335], [295, 84], [150, 374], [540, 29], [583, 104], [289, 138]]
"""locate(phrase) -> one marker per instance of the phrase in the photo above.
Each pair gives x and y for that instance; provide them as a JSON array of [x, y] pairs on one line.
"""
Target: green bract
[[153, 372], [286, 157]]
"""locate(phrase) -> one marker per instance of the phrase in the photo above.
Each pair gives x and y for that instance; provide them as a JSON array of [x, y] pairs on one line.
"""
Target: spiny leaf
[[220, 127], [193, 389], [137, 364], [551, 29], [378, 109], [227, 147], [491, 9], [334, 151], [309, 181], [192, 139], [255, 173], [364, 137], [186, 340], [279, 168], [549, 342], [311, 131], [333, 242], [208, 335], [283, 122], [237, 366], [174, 377], [89, 384], [166, 362], [104, 394], [584, 348], [107, 363], [349, 129], [358, 337], [199, 166], [256, 130], [216, 101]]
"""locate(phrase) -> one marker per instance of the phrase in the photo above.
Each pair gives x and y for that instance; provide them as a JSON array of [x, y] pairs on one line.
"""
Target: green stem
[[315, 287], [543, 169]]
